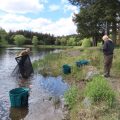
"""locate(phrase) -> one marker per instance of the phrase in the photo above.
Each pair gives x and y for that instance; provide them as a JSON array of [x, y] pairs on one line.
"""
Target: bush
[[3, 43], [71, 41], [99, 44], [86, 42], [19, 40], [71, 96], [35, 40], [99, 90], [79, 43]]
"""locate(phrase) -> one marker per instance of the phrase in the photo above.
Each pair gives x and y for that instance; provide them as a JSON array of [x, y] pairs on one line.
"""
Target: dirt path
[[115, 82]]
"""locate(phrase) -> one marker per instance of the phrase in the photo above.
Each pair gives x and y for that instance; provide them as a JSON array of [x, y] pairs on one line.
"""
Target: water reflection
[[18, 113], [1, 51], [55, 85], [22, 82]]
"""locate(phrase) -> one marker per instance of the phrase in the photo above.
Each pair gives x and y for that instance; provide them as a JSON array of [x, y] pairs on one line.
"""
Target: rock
[[90, 73], [87, 102]]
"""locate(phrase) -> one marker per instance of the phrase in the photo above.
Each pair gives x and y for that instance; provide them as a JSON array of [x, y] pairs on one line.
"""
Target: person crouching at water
[[108, 48], [24, 63]]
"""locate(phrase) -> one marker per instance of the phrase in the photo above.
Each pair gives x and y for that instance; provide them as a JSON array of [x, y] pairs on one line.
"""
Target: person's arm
[[22, 53]]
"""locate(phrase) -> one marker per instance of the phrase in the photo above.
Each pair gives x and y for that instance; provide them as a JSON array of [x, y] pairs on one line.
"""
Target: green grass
[[51, 46], [99, 90], [116, 63], [52, 63], [71, 96]]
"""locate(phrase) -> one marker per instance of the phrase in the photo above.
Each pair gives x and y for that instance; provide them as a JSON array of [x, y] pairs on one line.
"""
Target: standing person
[[108, 48]]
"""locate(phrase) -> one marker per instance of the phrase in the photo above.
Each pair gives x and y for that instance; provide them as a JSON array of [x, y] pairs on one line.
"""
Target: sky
[[43, 16]]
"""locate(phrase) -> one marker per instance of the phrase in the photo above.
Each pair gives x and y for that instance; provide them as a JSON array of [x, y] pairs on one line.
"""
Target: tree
[[63, 41], [19, 40], [86, 42], [3, 35], [57, 41], [97, 17], [35, 40], [87, 25], [71, 41]]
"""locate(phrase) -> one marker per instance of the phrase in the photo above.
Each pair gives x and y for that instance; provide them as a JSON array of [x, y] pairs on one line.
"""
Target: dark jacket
[[108, 47]]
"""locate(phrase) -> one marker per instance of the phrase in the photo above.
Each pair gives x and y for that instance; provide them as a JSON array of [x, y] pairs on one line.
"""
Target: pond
[[43, 90]]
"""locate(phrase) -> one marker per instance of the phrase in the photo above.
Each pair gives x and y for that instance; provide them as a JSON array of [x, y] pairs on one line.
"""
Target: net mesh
[[24, 67]]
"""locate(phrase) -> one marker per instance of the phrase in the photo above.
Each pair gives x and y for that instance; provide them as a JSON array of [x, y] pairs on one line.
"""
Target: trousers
[[107, 64]]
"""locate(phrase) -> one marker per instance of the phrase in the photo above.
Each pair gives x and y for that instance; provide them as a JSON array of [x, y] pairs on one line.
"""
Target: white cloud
[[70, 8], [63, 26], [12, 18], [54, 7], [20, 6], [14, 22]]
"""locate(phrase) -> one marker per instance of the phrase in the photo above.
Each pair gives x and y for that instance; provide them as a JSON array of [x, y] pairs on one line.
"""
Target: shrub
[[71, 41], [3, 43], [99, 44], [19, 40], [35, 40], [86, 42], [71, 96], [99, 90]]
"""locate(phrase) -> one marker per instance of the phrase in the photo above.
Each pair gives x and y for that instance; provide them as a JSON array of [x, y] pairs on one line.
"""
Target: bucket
[[66, 69], [19, 97]]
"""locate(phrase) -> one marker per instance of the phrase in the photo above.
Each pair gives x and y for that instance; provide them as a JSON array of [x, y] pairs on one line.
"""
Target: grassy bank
[[45, 46], [52, 63], [50, 46], [88, 99]]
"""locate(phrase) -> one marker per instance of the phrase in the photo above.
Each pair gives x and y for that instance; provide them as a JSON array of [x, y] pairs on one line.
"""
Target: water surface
[[43, 90]]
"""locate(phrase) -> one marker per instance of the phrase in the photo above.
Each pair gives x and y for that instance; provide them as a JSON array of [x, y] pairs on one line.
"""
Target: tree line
[[24, 37]]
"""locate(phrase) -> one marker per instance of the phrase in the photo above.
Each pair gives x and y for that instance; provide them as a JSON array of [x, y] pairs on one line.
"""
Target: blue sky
[[44, 16]]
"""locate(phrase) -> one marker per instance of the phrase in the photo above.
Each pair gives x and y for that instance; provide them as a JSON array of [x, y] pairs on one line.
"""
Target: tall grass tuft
[[99, 90], [71, 96]]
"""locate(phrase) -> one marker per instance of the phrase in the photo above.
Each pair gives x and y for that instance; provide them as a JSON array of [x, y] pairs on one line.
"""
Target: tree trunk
[[107, 28], [114, 32], [119, 33], [94, 42]]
